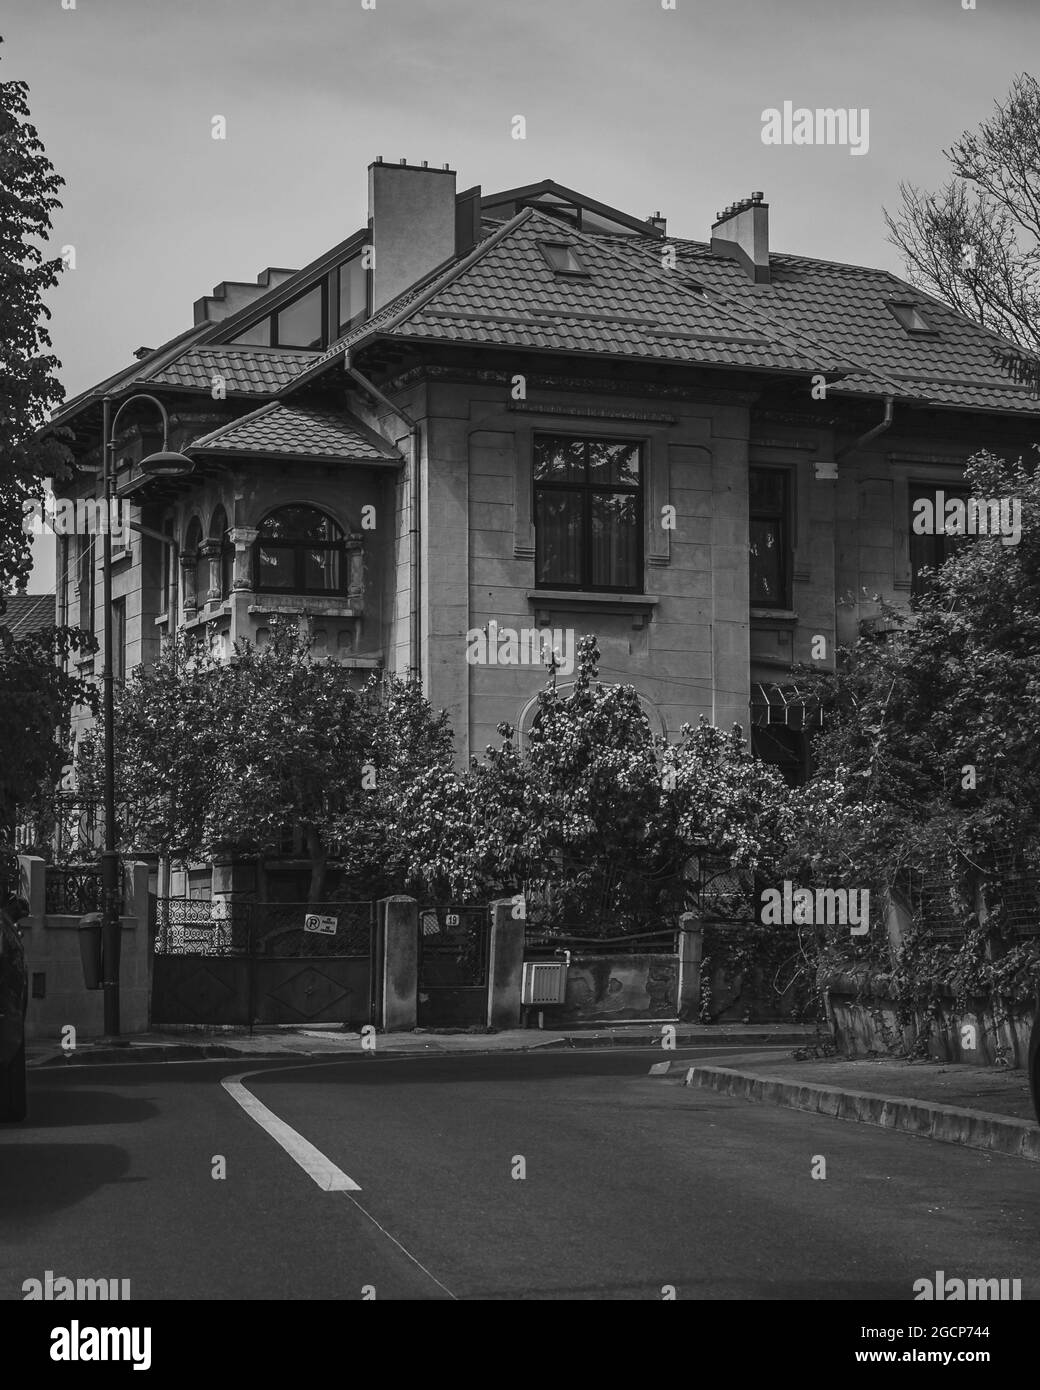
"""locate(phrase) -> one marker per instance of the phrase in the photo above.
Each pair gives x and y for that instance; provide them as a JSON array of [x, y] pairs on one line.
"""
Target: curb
[[973, 1129], [149, 1052], [712, 1039]]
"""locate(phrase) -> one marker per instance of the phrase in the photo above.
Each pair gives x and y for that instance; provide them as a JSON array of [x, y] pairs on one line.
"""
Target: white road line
[[313, 1162]]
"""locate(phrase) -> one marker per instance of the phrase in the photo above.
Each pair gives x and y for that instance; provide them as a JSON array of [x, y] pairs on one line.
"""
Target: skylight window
[[562, 257], [911, 317]]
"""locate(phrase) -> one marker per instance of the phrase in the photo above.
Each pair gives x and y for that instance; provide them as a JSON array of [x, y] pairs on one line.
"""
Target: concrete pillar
[[135, 891], [505, 965], [32, 886], [691, 946], [397, 963]]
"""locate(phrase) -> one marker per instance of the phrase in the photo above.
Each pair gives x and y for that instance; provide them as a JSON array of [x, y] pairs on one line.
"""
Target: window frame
[[894, 305], [938, 541], [546, 246], [299, 547], [587, 490], [784, 602]]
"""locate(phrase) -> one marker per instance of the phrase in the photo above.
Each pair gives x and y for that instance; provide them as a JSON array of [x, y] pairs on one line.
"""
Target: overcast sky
[[641, 107]]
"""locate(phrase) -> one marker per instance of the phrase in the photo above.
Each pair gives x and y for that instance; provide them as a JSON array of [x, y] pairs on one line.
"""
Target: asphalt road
[[631, 1186]]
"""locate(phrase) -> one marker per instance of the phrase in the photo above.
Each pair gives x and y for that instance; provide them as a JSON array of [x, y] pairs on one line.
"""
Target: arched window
[[300, 550], [218, 531]]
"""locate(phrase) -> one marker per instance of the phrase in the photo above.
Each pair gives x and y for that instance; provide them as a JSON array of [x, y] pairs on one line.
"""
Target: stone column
[[210, 553], [188, 586], [691, 946], [243, 538]]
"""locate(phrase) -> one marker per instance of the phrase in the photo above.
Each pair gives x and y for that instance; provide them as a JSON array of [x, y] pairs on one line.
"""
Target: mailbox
[[90, 949]]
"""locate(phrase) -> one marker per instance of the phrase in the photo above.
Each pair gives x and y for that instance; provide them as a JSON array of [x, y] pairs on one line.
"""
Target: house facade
[[487, 414]]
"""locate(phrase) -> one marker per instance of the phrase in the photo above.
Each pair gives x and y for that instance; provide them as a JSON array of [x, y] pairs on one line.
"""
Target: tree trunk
[[319, 862]]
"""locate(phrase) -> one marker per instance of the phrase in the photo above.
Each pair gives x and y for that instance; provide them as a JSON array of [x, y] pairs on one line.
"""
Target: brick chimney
[[742, 234], [411, 212]]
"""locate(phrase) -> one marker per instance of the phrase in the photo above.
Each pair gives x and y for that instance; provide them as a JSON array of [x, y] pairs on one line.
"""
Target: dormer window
[[562, 258], [911, 317]]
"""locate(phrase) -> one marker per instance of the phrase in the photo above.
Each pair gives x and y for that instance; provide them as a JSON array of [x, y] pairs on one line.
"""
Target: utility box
[[545, 982]]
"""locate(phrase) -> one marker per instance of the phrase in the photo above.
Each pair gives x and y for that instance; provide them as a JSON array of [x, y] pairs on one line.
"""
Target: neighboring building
[[27, 613], [538, 410]]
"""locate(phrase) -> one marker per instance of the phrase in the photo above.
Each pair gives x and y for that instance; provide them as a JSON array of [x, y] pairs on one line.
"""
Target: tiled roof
[[844, 309], [257, 370], [813, 316], [28, 613], [289, 431], [510, 297]]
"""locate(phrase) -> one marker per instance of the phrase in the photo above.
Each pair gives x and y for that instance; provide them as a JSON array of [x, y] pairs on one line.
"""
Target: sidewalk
[[979, 1107], [201, 1045]]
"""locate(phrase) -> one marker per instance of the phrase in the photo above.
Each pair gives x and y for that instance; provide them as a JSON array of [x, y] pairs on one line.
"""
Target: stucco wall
[[620, 987]]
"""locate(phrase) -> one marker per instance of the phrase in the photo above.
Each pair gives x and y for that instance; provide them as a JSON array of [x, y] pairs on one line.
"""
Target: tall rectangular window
[[119, 639], [932, 551], [85, 578], [588, 514], [353, 293], [769, 538]]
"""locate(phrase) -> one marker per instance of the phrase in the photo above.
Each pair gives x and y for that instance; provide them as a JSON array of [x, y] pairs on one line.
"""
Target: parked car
[[1034, 1060], [14, 999]]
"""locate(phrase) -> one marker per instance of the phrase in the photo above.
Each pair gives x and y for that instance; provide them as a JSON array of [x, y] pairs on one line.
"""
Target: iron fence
[[236, 927], [73, 890]]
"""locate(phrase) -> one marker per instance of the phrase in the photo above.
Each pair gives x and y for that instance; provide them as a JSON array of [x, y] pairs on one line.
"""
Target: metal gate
[[227, 962], [454, 942]]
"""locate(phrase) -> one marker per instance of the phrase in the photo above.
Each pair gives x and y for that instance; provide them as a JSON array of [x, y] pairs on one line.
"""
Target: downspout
[[414, 576], [870, 434]]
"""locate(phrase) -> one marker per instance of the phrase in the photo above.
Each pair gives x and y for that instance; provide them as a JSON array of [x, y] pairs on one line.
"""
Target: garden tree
[[36, 695], [231, 755], [976, 242], [932, 737], [28, 387], [595, 819], [37, 698]]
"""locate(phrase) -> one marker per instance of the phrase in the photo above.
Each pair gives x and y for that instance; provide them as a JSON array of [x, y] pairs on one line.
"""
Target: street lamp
[[167, 465]]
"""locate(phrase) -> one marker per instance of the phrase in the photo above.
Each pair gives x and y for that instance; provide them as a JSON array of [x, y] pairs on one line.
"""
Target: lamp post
[[163, 464]]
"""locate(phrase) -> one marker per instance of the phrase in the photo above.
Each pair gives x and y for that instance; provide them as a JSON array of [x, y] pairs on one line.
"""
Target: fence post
[[398, 963], [505, 965], [32, 886], [691, 944]]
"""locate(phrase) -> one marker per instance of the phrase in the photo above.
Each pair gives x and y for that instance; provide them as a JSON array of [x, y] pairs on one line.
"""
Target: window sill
[[639, 606], [776, 615]]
